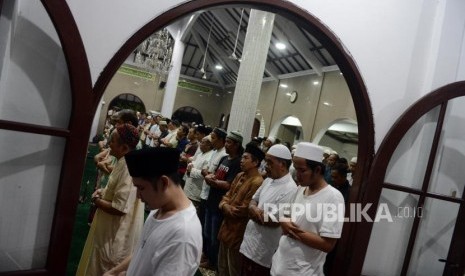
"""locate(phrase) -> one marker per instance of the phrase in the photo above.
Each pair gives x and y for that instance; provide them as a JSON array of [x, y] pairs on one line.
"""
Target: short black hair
[[173, 176], [313, 165], [341, 168]]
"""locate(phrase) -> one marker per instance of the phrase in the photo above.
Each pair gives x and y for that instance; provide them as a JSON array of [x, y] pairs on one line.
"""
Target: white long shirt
[[194, 181], [260, 242]]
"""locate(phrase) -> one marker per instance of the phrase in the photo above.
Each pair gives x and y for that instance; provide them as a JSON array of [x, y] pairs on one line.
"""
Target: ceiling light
[[316, 82], [217, 94], [280, 46], [327, 104], [288, 93], [283, 85], [218, 67], [229, 92]]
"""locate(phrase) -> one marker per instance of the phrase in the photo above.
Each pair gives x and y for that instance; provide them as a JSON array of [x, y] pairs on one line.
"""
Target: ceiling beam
[[181, 28], [208, 59], [219, 50], [297, 41], [199, 80], [225, 19]]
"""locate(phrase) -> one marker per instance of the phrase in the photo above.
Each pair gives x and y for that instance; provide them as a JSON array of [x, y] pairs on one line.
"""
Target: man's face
[[147, 193], [247, 162], [116, 149], [230, 146], [267, 143], [337, 178], [191, 135], [215, 140], [305, 176], [273, 166], [180, 134], [332, 160], [352, 166], [205, 145]]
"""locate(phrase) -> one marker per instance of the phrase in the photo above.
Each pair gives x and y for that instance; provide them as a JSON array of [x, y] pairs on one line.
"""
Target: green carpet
[[81, 228]]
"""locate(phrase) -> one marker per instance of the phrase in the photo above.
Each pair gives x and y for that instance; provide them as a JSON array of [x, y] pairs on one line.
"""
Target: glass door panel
[[434, 237], [408, 163], [30, 166], [35, 69], [448, 175], [388, 240]]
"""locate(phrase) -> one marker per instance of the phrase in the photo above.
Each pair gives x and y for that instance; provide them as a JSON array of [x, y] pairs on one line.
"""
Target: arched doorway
[[188, 114], [416, 170], [289, 129], [85, 103], [334, 46], [340, 135], [127, 101]]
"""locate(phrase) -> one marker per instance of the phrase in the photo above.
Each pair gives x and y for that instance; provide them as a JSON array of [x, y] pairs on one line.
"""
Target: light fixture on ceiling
[[202, 70], [155, 53], [233, 55], [288, 94], [219, 67], [316, 82], [280, 45], [283, 85], [327, 104]]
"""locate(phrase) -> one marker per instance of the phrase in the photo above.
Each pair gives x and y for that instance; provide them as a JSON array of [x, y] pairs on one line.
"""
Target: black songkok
[[221, 133], [152, 162], [255, 151]]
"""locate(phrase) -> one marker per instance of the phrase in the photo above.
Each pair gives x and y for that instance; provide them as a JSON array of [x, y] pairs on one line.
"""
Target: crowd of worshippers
[[207, 195]]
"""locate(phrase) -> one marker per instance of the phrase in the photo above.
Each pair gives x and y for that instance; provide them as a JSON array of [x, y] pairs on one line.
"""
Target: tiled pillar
[[249, 80], [173, 78]]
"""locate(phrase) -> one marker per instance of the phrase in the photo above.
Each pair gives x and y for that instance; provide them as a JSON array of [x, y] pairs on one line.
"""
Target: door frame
[[381, 161], [85, 101]]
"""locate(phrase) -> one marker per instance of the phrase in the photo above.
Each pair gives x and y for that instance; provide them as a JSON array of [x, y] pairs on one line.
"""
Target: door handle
[[449, 263]]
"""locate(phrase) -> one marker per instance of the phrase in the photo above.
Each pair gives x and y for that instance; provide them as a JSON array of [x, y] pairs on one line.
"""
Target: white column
[[173, 78], [249, 80]]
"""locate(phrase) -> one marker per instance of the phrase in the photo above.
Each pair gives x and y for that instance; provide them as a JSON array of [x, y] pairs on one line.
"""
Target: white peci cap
[[280, 151], [309, 151], [353, 160]]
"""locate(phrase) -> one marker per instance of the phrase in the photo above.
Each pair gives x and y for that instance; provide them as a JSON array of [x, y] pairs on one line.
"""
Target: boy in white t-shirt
[[171, 241], [314, 225]]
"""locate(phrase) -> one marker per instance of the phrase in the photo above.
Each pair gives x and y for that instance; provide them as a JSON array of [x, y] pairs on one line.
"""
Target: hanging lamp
[[202, 70], [233, 55]]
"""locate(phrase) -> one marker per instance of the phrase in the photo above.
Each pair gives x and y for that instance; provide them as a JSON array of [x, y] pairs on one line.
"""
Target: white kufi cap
[[353, 160], [272, 139], [280, 151], [309, 151]]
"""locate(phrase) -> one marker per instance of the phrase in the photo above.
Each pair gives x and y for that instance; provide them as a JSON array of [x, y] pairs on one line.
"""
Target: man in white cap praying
[[306, 241], [351, 174], [262, 235]]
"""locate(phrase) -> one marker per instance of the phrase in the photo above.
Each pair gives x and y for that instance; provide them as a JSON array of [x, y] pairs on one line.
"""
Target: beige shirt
[[111, 237]]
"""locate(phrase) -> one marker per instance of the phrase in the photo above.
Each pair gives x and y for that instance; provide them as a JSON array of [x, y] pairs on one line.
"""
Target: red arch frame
[[345, 62], [390, 142], [85, 101]]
